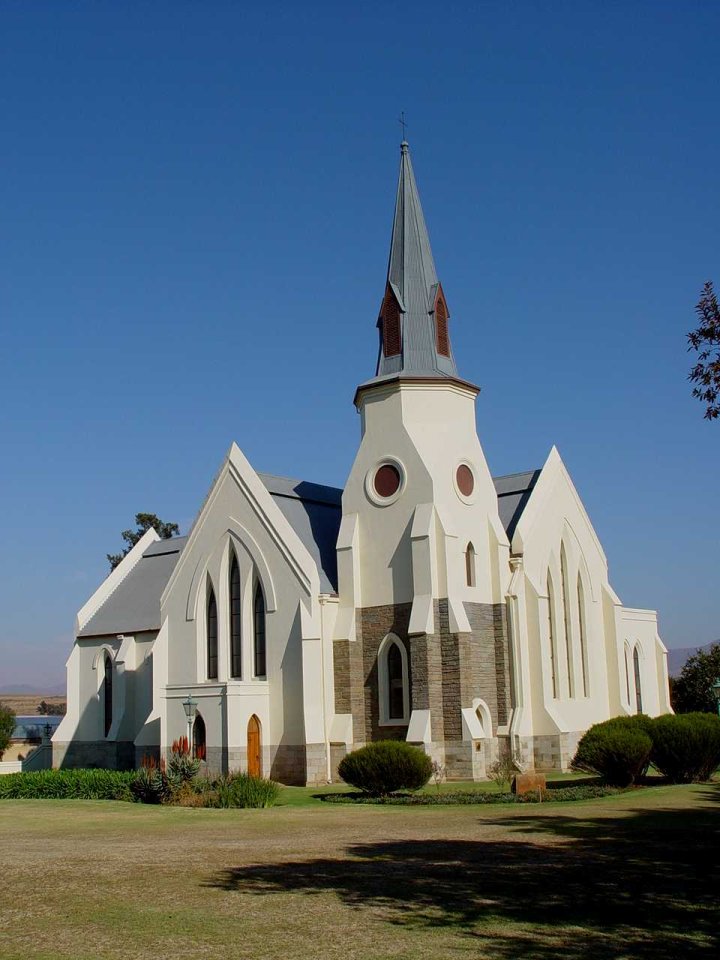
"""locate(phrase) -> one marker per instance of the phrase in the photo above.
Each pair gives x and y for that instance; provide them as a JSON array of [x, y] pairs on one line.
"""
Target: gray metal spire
[[414, 338]]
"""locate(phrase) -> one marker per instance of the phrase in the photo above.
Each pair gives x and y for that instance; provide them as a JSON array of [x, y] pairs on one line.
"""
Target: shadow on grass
[[640, 885]]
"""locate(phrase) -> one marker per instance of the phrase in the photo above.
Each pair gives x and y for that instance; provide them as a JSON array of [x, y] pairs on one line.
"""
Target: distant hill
[[678, 658], [51, 689]]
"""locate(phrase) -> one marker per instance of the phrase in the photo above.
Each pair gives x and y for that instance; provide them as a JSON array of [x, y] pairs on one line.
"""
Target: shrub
[[149, 783], [242, 790], [67, 785], [618, 750], [182, 767], [502, 772], [7, 725], [686, 747], [386, 766]]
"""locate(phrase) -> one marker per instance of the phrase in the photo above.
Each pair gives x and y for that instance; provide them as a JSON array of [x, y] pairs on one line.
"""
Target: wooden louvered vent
[[441, 327], [390, 314]]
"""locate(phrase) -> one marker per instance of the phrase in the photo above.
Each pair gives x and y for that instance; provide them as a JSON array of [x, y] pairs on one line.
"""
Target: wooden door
[[254, 765]]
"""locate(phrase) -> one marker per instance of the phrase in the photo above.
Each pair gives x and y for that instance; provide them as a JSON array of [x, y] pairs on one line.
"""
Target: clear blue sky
[[195, 208]]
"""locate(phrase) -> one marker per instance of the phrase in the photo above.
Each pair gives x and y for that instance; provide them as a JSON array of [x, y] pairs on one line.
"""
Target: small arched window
[[393, 688], [583, 635], [552, 634], [567, 623], [390, 324], [259, 632], [108, 695], [212, 636], [441, 327], [199, 747], [235, 620], [638, 684], [470, 565]]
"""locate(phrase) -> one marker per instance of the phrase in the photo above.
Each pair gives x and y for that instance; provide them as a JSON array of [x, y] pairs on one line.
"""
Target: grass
[[628, 876]]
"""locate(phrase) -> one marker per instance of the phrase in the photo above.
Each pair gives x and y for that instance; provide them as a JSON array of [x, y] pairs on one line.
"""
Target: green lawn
[[628, 876]]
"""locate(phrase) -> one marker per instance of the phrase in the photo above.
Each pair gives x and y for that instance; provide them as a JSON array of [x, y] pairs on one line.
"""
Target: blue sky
[[196, 203]]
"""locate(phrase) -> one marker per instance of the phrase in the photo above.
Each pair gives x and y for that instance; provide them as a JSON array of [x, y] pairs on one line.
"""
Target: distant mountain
[[50, 689], [678, 658]]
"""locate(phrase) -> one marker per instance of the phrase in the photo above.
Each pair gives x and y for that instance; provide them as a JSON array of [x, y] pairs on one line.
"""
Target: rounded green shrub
[[686, 746], [386, 766], [617, 749]]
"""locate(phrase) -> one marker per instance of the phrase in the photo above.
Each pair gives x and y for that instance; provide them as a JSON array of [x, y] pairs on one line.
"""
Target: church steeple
[[413, 322]]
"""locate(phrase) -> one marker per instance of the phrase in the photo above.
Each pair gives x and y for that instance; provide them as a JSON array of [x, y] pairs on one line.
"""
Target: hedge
[[67, 785]]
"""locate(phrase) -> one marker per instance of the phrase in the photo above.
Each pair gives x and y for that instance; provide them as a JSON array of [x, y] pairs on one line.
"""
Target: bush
[[469, 797], [67, 785], [150, 784], [386, 766], [686, 747], [7, 725], [617, 749], [243, 790]]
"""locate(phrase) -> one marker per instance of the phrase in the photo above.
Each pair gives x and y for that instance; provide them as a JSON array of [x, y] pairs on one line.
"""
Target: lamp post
[[190, 708], [716, 691]]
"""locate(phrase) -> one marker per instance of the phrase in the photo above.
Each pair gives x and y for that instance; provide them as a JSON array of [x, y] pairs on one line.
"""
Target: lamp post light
[[47, 729], [190, 708], [716, 691]]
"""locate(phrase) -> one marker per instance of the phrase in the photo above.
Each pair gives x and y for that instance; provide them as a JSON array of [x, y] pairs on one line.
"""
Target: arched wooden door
[[254, 765]]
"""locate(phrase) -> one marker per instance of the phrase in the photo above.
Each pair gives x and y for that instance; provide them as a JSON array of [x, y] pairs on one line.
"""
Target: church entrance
[[254, 765]]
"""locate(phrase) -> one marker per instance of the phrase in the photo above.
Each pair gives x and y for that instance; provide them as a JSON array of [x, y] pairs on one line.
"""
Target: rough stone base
[[550, 752], [95, 754]]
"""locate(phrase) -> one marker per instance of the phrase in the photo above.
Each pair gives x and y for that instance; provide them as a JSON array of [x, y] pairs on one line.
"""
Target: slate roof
[[411, 274], [314, 512], [513, 492], [134, 605]]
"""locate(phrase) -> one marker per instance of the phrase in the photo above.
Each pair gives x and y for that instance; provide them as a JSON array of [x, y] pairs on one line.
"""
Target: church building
[[426, 601]]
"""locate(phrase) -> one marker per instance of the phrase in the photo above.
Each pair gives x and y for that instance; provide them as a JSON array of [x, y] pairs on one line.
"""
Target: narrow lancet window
[[199, 748], [567, 623], [470, 565], [441, 328], [390, 322], [235, 621], [583, 635], [552, 634], [638, 685], [212, 636], [396, 706], [108, 695], [259, 632]]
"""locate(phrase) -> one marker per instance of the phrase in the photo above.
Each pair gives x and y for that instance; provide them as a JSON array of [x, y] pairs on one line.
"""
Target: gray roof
[[134, 606], [412, 277], [314, 512], [513, 493]]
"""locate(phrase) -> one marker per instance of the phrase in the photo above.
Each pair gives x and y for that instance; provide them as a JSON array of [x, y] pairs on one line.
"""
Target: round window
[[465, 480], [387, 480]]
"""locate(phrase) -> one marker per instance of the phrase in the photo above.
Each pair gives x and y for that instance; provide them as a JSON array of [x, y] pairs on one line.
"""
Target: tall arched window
[[259, 631], [638, 684], [198, 738], [552, 634], [393, 686], [583, 635], [108, 695], [390, 321], [212, 636], [441, 327], [567, 623], [627, 673], [470, 565], [235, 620]]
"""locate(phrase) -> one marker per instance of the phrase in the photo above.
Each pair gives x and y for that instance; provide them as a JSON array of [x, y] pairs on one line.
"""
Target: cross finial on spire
[[403, 124]]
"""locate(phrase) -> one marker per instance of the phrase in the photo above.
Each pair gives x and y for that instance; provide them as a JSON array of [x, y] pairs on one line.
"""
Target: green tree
[[706, 341], [7, 725], [692, 690], [143, 522]]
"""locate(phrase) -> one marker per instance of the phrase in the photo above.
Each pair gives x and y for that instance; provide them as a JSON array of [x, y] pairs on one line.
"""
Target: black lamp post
[[716, 691], [190, 708]]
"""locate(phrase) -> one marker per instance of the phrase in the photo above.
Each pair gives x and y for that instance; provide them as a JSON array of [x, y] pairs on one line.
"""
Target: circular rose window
[[387, 480], [465, 480]]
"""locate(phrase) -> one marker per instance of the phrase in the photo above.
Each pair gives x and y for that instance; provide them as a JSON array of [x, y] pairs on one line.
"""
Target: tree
[[7, 725], [143, 521], [692, 690], [46, 709], [706, 341]]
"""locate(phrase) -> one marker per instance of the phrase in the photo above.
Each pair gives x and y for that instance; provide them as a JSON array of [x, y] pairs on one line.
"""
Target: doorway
[[254, 765]]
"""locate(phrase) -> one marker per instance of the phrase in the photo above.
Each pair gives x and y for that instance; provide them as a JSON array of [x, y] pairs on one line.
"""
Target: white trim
[[384, 682], [375, 497], [460, 495]]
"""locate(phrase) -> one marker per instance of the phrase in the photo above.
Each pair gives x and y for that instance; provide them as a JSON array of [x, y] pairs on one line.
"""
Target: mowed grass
[[632, 875]]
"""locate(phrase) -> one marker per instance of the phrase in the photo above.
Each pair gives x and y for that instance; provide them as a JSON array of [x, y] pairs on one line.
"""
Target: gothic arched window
[[212, 636], [259, 632], [552, 634], [441, 327], [235, 620], [108, 695], [638, 685], [470, 565], [583, 635], [393, 687], [567, 622], [390, 322], [199, 747]]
